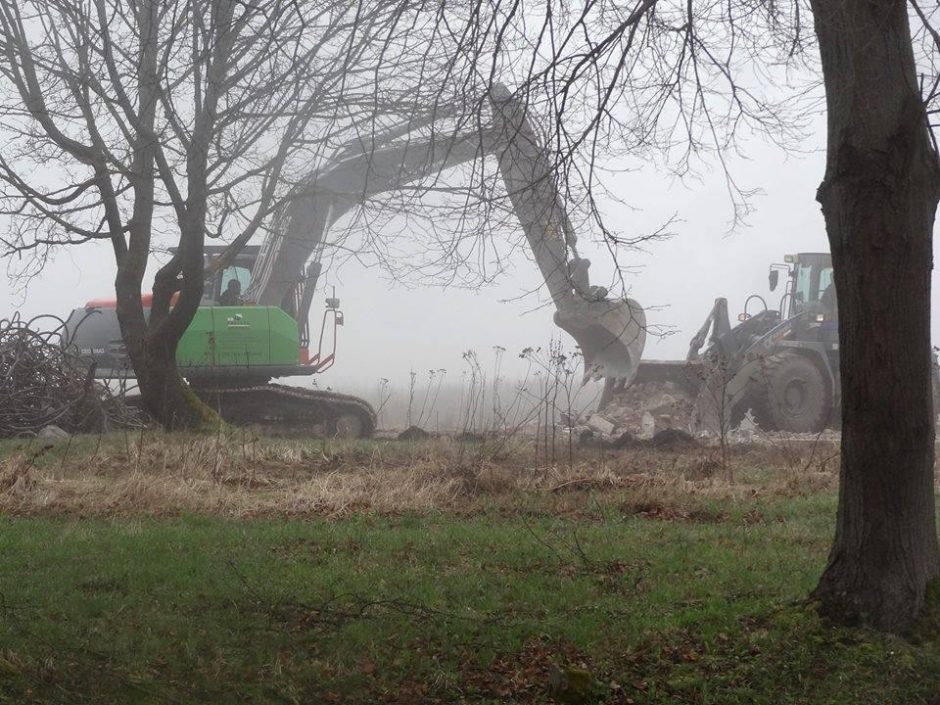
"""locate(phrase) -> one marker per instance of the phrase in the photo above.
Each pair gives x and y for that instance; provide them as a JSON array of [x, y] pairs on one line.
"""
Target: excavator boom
[[610, 332]]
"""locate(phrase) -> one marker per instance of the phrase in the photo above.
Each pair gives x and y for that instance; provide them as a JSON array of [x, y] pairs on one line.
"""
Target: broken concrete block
[[659, 403], [601, 425], [52, 433], [647, 426]]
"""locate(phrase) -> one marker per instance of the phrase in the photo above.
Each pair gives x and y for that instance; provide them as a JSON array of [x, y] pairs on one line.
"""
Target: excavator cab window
[[215, 289], [241, 274]]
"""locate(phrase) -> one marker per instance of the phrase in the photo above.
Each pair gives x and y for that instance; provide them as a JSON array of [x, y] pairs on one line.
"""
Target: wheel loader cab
[[810, 289], [810, 299]]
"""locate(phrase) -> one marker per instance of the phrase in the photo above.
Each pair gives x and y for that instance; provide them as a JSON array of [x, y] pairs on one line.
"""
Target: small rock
[[673, 439], [413, 433], [647, 425], [53, 434]]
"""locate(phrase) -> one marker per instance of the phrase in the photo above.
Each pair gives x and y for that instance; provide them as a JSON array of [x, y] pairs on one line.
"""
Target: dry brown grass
[[238, 475]]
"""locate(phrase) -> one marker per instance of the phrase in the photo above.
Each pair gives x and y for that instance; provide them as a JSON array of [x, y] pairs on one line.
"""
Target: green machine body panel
[[239, 336]]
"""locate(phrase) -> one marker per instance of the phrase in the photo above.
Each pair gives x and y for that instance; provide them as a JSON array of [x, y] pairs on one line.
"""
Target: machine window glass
[[802, 287], [241, 274], [825, 279], [233, 281]]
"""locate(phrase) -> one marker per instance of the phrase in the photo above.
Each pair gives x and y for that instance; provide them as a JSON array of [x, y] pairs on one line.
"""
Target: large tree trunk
[[169, 399], [151, 344], [166, 396], [879, 197]]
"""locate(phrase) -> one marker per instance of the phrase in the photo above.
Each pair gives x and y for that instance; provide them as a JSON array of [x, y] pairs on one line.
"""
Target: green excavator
[[230, 353]]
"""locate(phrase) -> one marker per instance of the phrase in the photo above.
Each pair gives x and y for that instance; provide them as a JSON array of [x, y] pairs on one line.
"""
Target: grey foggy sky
[[392, 329]]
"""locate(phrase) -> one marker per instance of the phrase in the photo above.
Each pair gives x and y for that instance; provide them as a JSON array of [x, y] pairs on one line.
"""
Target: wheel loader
[[782, 362], [230, 353]]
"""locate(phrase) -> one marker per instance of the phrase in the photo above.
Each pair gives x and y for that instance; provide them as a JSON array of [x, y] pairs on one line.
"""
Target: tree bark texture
[[879, 198], [165, 395]]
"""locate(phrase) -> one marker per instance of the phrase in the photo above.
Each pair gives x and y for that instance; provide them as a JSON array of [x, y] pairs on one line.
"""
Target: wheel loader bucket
[[611, 335]]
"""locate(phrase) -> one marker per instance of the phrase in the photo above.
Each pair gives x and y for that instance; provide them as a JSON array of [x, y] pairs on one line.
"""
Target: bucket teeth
[[611, 335]]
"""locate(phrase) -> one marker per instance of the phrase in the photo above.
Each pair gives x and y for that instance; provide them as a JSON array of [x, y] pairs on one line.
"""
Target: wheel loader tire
[[794, 394]]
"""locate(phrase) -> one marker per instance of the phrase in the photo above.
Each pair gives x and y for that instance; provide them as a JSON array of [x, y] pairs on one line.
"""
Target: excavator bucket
[[611, 335]]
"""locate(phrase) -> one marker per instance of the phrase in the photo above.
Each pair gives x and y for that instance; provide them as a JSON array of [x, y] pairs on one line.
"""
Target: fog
[[392, 330]]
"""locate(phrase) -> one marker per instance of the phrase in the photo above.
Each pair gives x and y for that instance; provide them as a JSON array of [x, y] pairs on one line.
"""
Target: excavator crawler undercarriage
[[292, 411]]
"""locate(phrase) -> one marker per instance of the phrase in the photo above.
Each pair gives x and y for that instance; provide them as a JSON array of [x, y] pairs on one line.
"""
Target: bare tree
[[159, 115], [168, 122], [670, 64]]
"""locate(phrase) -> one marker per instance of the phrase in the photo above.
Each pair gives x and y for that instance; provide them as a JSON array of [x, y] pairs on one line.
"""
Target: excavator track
[[292, 411]]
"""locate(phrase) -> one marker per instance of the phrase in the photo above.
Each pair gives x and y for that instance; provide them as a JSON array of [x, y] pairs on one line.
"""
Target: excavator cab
[[295, 304]]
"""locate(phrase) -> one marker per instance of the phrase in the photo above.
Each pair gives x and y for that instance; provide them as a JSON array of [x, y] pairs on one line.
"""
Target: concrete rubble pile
[[645, 410]]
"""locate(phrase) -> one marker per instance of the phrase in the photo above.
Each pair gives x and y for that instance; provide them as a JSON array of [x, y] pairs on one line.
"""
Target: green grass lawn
[[482, 607]]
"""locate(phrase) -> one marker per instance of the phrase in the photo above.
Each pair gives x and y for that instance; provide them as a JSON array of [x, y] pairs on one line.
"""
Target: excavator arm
[[610, 333]]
